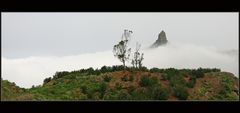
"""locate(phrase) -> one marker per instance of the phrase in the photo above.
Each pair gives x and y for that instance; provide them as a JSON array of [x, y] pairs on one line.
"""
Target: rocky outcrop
[[162, 40]]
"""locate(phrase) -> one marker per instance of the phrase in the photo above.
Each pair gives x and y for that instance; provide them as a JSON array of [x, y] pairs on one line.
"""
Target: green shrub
[[97, 72], [171, 73], [216, 70], [147, 81], [46, 80], [107, 78], [156, 70], [143, 68], [90, 71], [117, 68], [160, 93], [180, 92], [60, 74], [226, 91], [131, 69], [176, 80], [84, 89], [141, 94], [104, 69], [125, 78], [164, 76], [191, 83], [199, 73], [102, 87], [154, 81]]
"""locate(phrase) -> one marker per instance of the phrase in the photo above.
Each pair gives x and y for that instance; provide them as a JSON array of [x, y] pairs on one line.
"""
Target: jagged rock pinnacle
[[162, 40]]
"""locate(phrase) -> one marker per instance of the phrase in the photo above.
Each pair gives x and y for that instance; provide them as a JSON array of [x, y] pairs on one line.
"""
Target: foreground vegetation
[[128, 83]]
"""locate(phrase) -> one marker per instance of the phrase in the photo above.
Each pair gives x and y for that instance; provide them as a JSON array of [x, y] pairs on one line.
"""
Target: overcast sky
[[41, 34], [36, 45]]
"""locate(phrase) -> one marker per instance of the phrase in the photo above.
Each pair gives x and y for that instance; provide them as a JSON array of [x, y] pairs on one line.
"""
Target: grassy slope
[[82, 86], [9, 91]]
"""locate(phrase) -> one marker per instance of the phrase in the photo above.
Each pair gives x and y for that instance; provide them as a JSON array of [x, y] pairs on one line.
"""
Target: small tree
[[103, 69], [121, 50], [137, 57], [60, 74], [46, 80], [33, 86]]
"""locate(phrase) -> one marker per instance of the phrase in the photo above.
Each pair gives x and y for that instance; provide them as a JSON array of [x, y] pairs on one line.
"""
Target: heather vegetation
[[119, 83]]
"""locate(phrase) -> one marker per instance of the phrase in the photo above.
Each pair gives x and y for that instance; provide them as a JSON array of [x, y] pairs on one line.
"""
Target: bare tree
[[140, 61], [137, 57], [121, 50]]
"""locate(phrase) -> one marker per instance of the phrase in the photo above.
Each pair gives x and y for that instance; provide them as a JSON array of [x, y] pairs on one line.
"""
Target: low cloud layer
[[26, 72]]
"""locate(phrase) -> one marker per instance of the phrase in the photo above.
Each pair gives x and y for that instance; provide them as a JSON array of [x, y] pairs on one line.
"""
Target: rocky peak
[[162, 40]]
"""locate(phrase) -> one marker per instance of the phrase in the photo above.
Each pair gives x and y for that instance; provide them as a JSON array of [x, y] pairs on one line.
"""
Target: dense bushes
[[104, 69], [198, 73], [191, 82], [226, 91], [153, 70], [46, 80], [60, 74], [107, 78], [177, 82], [124, 87], [159, 93], [150, 87], [102, 87], [143, 68], [147, 81], [180, 92], [148, 93], [174, 77], [90, 71], [94, 90], [141, 94], [117, 95]]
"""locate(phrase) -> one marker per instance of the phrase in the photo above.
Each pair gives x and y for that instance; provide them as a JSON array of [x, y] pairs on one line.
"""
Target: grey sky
[[61, 34]]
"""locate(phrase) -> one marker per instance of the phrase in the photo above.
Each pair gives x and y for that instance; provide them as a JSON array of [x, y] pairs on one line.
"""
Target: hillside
[[115, 83]]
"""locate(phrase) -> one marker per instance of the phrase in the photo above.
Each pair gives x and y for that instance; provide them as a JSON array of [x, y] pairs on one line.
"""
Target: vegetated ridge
[[119, 83]]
